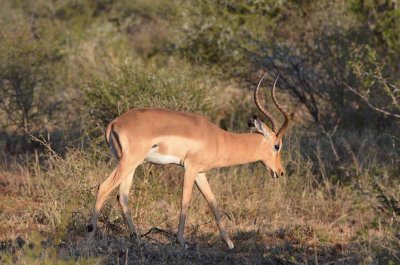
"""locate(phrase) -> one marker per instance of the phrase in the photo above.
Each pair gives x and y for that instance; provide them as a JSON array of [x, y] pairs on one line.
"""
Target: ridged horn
[[285, 125], [274, 124]]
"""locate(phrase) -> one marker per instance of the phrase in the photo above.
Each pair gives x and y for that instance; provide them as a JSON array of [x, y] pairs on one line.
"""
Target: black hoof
[[134, 236], [90, 228]]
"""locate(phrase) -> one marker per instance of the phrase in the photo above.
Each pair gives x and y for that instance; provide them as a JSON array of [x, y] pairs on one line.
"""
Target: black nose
[[282, 174]]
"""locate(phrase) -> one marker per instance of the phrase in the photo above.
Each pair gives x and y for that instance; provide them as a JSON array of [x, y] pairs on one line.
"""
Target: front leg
[[188, 181], [204, 187]]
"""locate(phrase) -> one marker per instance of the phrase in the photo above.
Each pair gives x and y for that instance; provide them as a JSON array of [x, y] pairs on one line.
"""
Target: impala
[[163, 136]]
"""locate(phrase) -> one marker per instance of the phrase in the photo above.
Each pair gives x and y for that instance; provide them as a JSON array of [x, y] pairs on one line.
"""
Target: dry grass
[[294, 220]]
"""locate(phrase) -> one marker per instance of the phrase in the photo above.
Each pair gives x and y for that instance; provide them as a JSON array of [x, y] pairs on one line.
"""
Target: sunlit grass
[[287, 220]]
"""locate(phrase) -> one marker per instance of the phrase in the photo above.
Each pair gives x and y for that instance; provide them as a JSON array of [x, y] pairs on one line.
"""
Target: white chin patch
[[273, 173], [161, 159]]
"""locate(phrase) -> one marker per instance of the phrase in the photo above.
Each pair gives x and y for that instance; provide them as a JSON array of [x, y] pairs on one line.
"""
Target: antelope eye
[[276, 147]]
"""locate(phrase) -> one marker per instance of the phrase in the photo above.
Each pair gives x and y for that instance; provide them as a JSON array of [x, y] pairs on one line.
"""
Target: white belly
[[157, 158]]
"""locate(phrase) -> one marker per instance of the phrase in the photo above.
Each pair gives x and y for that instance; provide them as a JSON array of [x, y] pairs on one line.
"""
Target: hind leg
[[123, 198], [123, 171]]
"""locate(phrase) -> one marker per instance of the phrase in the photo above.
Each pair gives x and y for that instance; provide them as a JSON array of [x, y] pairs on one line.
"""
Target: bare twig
[[330, 135], [158, 231], [41, 141], [365, 99]]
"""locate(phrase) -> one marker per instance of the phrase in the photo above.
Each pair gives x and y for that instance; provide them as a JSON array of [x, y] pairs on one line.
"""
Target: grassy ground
[[292, 220], [85, 62]]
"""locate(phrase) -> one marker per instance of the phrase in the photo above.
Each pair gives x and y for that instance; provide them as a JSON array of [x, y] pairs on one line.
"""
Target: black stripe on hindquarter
[[117, 147]]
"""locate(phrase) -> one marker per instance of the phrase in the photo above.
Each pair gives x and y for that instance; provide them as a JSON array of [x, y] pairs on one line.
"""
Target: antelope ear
[[250, 123], [257, 126], [260, 127]]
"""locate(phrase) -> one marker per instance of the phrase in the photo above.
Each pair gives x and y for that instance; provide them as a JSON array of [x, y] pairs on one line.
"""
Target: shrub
[[27, 72], [138, 86]]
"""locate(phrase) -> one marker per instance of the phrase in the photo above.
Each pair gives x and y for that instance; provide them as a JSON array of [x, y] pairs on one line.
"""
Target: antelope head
[[272, 142]]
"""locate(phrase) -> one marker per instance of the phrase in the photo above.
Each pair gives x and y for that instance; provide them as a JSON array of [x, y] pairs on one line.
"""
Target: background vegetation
[[69, 67]]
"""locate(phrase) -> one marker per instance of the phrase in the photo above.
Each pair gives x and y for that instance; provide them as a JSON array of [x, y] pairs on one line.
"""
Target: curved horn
[[285, 125], [262, 109]]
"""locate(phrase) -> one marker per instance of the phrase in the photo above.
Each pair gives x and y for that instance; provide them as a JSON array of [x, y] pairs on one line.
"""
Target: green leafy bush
[[220, 33], [27, 73], [139, 86], [374, 85]]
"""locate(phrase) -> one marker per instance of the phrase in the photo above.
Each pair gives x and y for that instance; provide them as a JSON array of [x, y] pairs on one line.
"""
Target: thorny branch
[[42, 141], [365, 99]]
